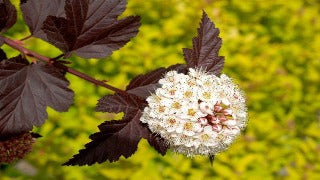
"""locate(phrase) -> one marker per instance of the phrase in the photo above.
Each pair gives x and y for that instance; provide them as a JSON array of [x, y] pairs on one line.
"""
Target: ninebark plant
[[89, 29]]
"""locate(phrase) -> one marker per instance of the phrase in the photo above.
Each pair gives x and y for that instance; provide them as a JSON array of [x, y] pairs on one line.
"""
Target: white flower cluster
[[198, 113]]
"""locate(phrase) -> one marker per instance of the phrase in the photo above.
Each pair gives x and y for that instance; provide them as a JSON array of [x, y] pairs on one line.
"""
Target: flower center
[[161, 109], [172, 121], [188, 94], [191, 83], [172, 92], [207, 95], [218, 117], [188, 126], [176, 105], [191, 112], [205, 137]]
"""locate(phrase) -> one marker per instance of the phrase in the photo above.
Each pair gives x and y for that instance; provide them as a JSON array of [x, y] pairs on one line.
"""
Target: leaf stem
[[58, 57], [84, 76], [25, 38]]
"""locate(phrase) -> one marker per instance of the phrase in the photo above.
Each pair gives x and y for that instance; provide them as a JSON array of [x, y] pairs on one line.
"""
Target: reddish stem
[[30, 53]]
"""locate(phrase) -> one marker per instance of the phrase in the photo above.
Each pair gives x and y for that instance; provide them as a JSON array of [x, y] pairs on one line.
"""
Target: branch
[[33, 54]]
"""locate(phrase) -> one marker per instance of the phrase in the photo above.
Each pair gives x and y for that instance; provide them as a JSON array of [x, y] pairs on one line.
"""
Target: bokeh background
[[272, 52]]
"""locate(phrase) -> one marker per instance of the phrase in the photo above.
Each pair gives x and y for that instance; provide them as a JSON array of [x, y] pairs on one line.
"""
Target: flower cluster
[[15, 148], [197, 113]]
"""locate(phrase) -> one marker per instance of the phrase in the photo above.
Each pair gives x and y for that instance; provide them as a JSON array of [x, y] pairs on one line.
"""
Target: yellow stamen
[[161, 109], [176, 105], [191, 83], [207, 95], [191, 112], [188, 126], [205, 137], [172, 92], [188, 94], [207, 83], [172, 121]]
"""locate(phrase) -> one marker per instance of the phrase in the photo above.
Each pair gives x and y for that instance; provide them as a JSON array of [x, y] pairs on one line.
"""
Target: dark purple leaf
[[120, 103], [211, 159], [206, 47], [157, 142], [117, 137], [35, 135], [25, 92], [91, 28], [8, 15], [144, 85], [2, 55], [36, 11]]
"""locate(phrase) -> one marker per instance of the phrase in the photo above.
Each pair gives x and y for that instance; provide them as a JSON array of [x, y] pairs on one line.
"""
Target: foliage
[[271, 50]]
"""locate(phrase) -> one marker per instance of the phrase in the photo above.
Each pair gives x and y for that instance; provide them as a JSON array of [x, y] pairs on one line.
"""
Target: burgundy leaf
[[116, 138], [8, 15], [144, 85], [35, 135], [2, 55], [120, 103], [157, 142], [211, 159], [206, 47], [25, 92], [90, 28], [36, 11]]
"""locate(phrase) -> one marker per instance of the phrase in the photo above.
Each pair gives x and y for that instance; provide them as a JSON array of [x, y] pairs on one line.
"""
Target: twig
[[30, 53]]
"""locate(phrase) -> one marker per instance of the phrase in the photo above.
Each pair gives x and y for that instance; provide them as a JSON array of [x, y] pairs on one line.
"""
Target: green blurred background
[[272, 52]]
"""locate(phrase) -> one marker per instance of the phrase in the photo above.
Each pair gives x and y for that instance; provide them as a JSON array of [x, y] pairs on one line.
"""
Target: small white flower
[[206, 108], [197, 113]]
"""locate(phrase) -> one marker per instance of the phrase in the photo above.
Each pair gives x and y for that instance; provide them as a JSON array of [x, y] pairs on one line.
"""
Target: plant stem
[[30, 53], [25, 38]]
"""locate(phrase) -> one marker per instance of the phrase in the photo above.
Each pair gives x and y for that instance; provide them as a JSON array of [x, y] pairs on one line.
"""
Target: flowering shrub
[[271, 49]]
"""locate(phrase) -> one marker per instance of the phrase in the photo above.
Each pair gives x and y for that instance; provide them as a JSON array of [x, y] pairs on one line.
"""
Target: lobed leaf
[[25, 92], [35, 13], [120, 103], [206, 46], [90, 28], [8, 15], [157, 142], [117, 137]]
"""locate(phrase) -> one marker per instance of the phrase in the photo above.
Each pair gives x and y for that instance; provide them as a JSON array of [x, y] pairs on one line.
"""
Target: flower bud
[[16, 147]]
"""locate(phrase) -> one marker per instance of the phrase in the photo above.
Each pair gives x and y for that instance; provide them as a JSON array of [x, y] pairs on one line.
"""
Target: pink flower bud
[[217, 108], [215, 120], [222, 118], [227, 112], [203, 121], [217, 128]]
